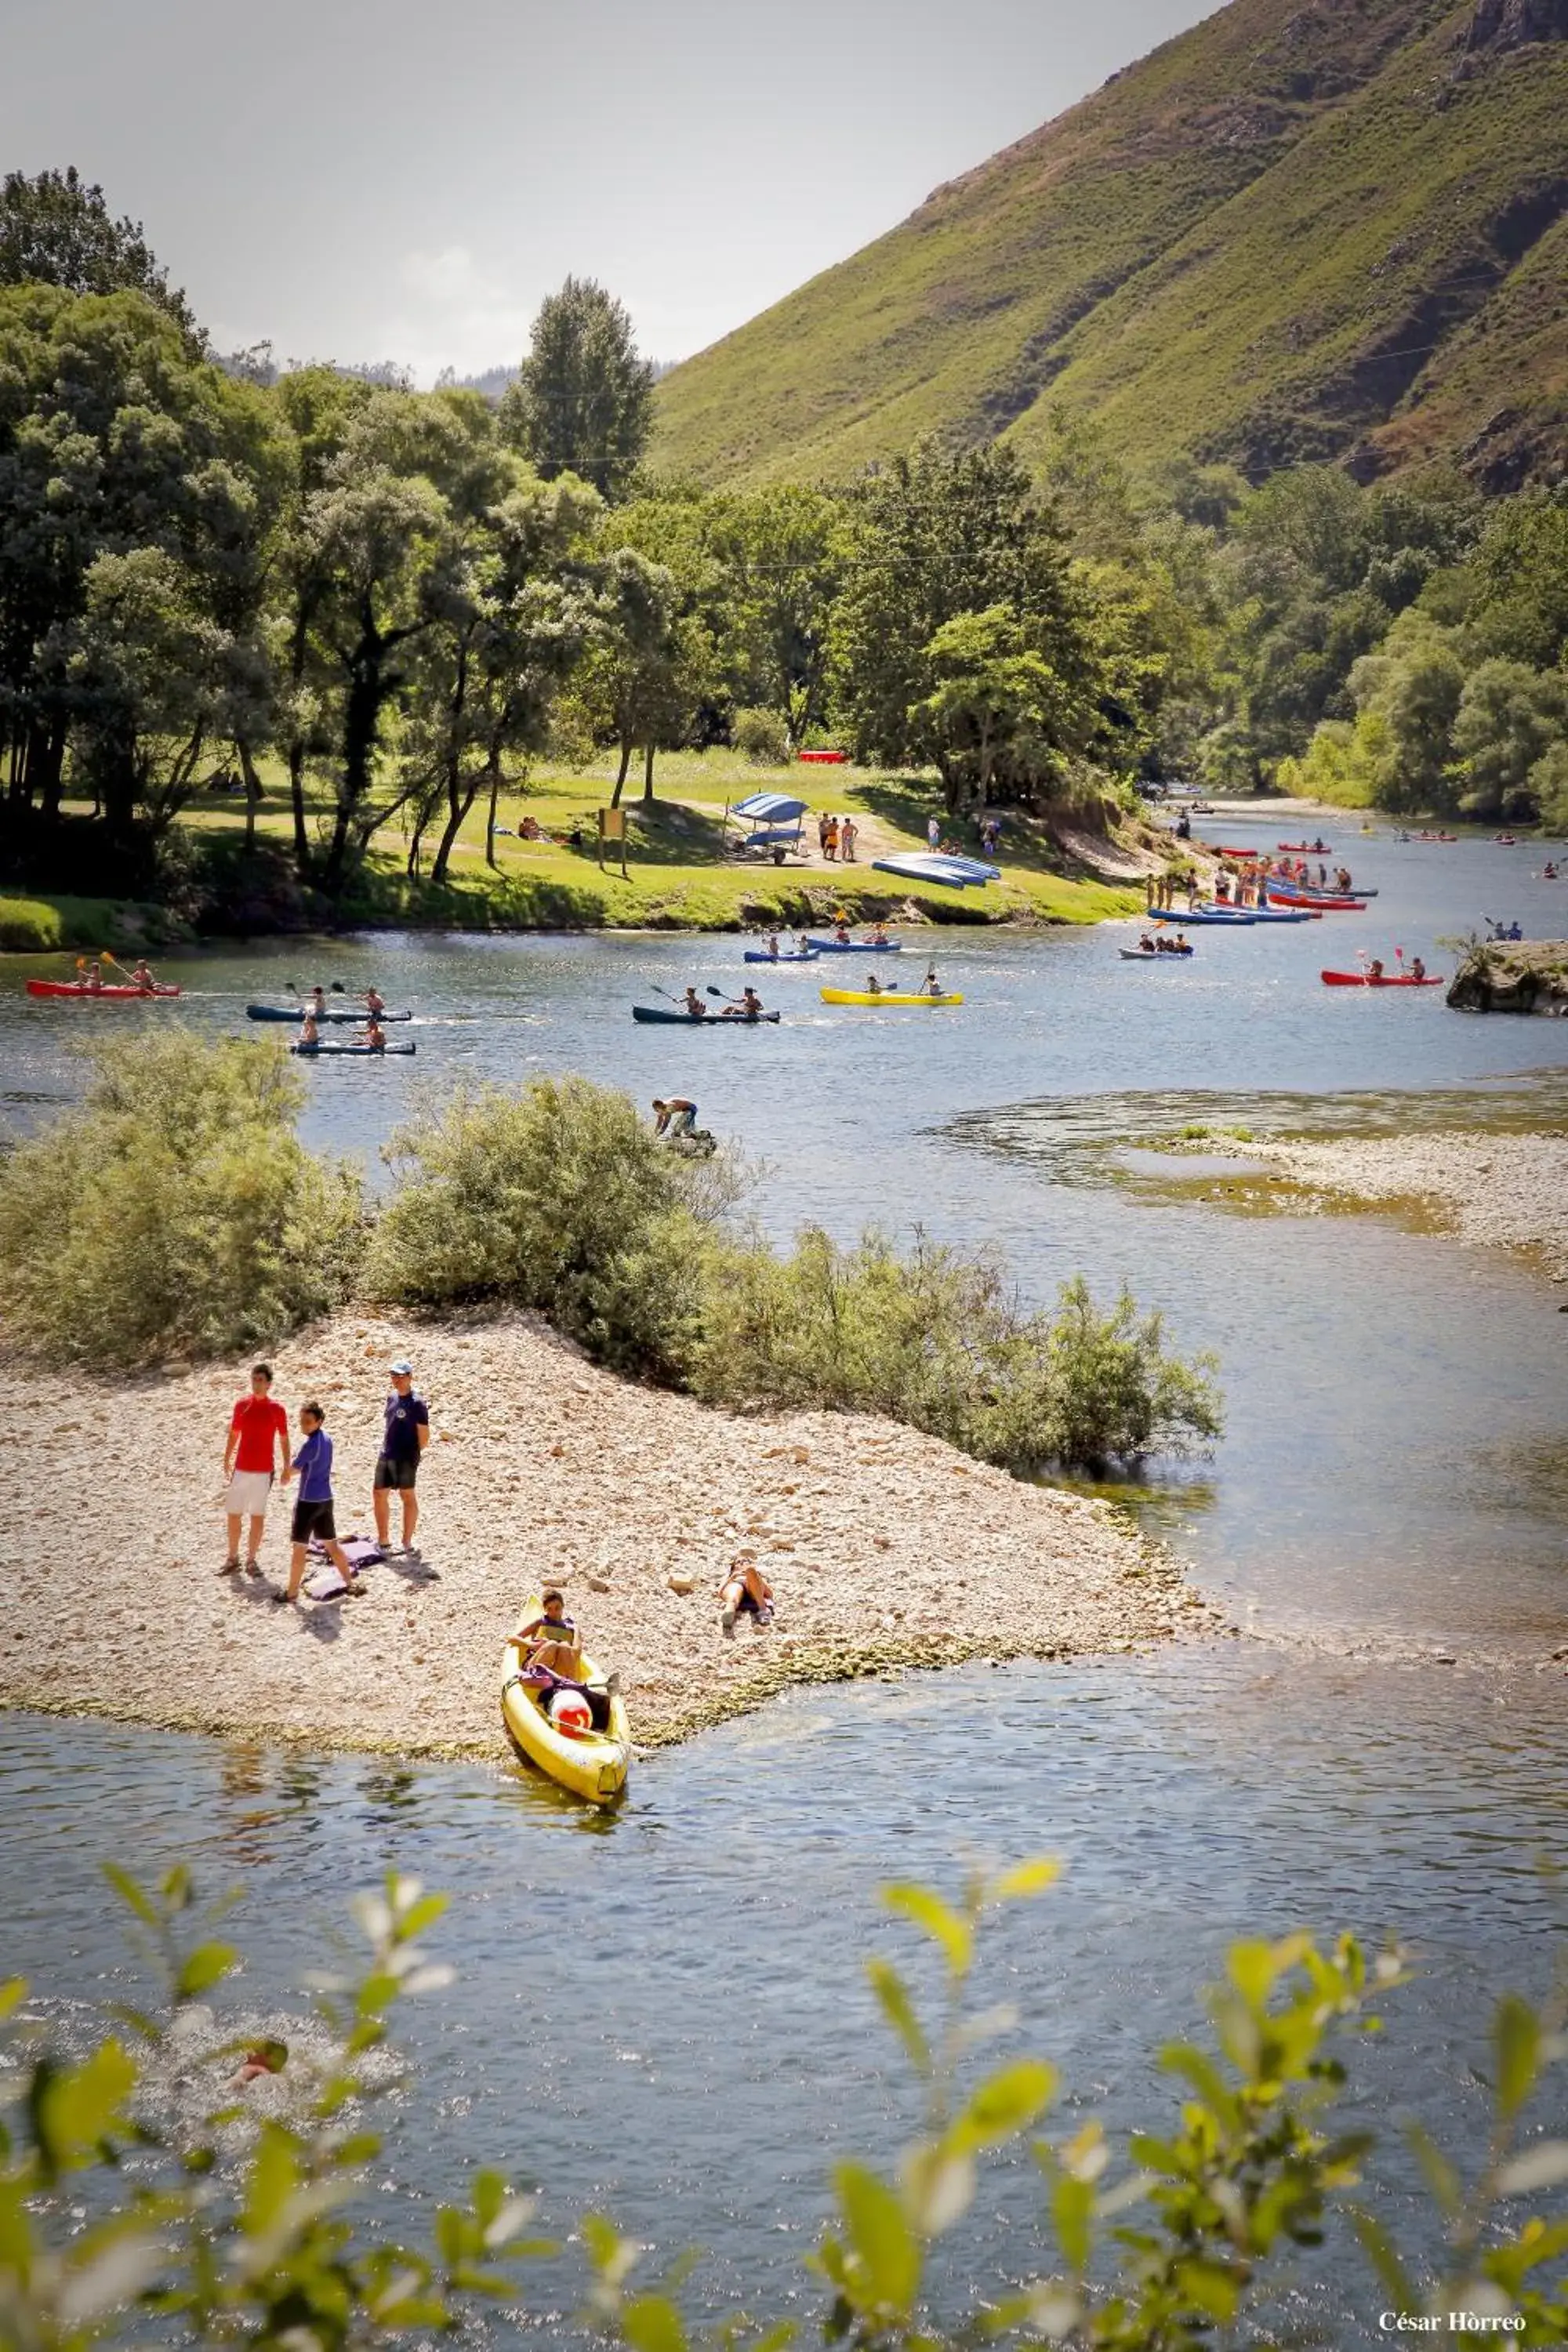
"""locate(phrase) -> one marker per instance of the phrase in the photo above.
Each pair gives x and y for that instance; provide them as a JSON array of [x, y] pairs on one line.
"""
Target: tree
[[113, 442], [1520, 580], [57, 231], [1414, 687], [511, 612], [1509, 716], [583, 399], [940, 535], [631, 674], [148, 670], [784, 549], [995, 698]]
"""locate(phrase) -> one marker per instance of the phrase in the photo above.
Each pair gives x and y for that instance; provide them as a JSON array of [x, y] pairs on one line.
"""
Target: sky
[[366, 180]]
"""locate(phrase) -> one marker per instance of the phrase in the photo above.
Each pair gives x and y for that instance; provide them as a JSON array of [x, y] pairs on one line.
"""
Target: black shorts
[[396, 1470], [313, 1519]]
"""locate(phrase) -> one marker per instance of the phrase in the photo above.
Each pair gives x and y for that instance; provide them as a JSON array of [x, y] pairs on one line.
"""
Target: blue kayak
[[296, 1013], [1220, 922], [377, 1050], [760, 955]]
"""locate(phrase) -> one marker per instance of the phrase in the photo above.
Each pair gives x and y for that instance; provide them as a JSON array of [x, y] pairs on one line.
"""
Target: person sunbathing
[[550, 1658], [745, 1592]]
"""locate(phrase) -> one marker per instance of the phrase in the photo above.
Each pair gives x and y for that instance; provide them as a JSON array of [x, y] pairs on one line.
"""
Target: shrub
[[176, 1213], [28, 926], [557, 1198], [938, 1340], [761, 735]]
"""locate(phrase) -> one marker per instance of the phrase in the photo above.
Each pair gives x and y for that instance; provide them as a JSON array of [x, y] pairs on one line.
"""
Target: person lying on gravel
[[745, 1592]]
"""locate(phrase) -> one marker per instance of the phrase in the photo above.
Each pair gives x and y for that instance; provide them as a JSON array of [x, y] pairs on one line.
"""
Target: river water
[[1385, 1515]]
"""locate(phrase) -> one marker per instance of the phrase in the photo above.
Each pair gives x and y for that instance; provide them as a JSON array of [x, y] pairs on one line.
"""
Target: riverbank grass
[[677, 876]]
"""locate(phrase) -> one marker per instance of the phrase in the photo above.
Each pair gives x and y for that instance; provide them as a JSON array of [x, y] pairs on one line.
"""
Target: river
[[1385, 1515]]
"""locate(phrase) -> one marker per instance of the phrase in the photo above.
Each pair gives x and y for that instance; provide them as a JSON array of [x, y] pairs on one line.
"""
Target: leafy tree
[[508, 624], [1509, 718], [113, 443], [995, 699], [1414, 686], [1519, 580], [934, 537], [55, 230], [1549, 783], [784, 549], [149, 675], [581, 401], [631, 679]]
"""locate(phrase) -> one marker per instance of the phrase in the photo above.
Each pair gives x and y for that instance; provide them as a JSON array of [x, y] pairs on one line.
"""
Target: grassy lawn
[[677, 875]]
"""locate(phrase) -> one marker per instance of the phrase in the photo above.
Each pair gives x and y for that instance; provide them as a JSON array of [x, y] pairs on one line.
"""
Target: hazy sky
[[394, 179]]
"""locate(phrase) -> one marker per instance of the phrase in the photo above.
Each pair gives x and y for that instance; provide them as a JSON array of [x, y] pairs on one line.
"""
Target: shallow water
[[1391, 1483]]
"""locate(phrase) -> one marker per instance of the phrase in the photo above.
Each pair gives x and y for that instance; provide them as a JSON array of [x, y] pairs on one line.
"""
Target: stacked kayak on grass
[[887, 996], [80, 988], [296, 1013], [373, 1053], [953, 872], [592, 1764], [1380, 979], [699, 1020], [856, 947]]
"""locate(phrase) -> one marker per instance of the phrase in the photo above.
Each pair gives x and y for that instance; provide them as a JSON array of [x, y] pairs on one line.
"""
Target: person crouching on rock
[[745, 1592]]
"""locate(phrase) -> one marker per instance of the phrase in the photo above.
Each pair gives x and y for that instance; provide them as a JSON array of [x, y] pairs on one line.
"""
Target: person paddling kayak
[[696, 1006], [749, 1007], [931, 985]]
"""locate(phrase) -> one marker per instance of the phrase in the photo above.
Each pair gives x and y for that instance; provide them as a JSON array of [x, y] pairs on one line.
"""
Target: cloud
[[455, 313]]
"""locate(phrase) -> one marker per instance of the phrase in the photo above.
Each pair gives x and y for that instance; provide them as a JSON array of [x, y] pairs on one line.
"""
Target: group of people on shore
[[258, 1455], [1162, 888], [837, 836]]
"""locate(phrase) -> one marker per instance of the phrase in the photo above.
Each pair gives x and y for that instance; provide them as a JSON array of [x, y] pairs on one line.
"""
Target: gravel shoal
[[1498, 1190], [885, 1548]]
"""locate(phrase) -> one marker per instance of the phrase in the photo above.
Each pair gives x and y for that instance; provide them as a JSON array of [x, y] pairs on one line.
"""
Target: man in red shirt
[[258, 1445]]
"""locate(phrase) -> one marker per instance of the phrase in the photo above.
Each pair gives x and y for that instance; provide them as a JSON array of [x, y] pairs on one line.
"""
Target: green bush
[[937, 1340], [123, 2222], [176, 1213], [558, 1198], [761, 735], [29, 927]]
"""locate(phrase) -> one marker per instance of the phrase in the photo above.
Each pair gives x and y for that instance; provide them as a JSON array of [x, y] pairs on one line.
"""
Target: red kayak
[[1310, 848], [1323, 905], [1387, 980], [79, 988]]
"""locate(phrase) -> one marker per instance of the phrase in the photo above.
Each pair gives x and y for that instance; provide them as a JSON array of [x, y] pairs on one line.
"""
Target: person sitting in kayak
[[1418, 968], [142, 975], [318, 1000], [749, 1007], [841, 933], [308, 1033], [878, 935], [696, 1006], [873, 985], [1147, 945], [745, 1592], [771, 944], [1374, 969], [93, 979], [373, 1035], [550, 1658], [374, 1002], [674, 1118], [931, 985]]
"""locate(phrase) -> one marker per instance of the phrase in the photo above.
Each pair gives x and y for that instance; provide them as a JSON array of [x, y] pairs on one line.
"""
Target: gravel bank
[[1507, 1189], [883, 1547]]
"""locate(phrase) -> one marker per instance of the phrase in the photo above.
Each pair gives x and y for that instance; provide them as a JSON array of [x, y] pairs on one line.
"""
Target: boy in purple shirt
[[313, 1509]]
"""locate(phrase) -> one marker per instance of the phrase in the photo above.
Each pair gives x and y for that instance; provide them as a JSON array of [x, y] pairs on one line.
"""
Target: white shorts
[[247, 1493]]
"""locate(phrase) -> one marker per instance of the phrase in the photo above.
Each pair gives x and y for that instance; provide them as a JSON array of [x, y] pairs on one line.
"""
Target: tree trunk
[[623, 772], [647, 770], [252, 790], [490, 817]]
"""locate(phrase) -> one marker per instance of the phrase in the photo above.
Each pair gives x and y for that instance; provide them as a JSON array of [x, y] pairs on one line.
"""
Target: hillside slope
[[1337, 229]]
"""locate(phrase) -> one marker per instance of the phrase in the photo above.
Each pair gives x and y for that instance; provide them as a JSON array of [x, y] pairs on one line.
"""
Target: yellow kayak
[[886, 996], [592, 1764]]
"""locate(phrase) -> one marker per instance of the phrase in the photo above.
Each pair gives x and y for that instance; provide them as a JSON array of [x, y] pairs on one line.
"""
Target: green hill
[[1297, 231]]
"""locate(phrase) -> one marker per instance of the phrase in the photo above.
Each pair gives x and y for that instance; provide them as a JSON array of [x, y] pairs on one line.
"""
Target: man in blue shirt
[[313, 1518], [407, 1435]]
